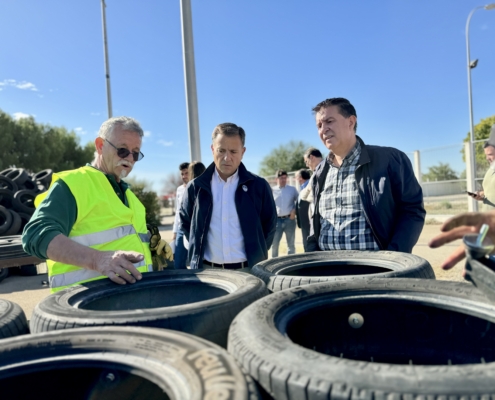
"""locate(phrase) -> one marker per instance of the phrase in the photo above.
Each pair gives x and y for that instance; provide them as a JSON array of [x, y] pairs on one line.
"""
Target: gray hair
[[107, 128], [126, 123]]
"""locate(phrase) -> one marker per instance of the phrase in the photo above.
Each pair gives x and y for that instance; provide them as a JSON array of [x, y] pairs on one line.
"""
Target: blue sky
[[262, 64]]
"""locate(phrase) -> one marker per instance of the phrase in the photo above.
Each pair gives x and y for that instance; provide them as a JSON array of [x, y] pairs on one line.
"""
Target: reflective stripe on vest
[[110, 235], [71, 278]]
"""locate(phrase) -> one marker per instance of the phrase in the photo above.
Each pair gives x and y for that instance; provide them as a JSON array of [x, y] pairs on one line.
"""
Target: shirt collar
[[352, 156], [230, 179]]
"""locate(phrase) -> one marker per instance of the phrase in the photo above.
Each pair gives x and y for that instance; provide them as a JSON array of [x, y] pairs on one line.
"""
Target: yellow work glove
[[161, 253], [162, 257]]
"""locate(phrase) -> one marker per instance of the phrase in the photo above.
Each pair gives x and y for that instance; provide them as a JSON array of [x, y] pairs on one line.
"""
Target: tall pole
[[473, 204], [105, 52], [190, 80]]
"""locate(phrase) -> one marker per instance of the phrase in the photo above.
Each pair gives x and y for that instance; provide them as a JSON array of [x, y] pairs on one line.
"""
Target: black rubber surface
[[119, 363], [18, 175], [12, 320], [420, 339], [482, 274], [7, 183], [200, 302], [15, 225], [4, 273], [5, 220], [340, 265], [25, 201], [44, 177]]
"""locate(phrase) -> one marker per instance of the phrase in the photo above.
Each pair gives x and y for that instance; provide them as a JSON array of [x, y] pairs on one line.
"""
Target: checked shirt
[[343, 222]]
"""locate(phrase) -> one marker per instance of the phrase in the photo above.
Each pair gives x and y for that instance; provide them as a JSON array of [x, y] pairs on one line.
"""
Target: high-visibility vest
[[103, 223]]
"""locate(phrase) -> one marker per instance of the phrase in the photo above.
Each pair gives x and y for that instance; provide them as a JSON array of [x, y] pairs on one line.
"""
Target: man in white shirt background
[[285, 197], [180, 255], [228, 214]]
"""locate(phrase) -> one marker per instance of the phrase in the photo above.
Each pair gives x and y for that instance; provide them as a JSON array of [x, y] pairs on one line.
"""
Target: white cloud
[[20, 115], [24, 85], [147, 133], [95, 113], [165, 143], [80, 131]]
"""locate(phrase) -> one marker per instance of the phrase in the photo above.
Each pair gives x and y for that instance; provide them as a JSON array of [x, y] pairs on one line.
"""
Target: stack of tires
[[18, 189]]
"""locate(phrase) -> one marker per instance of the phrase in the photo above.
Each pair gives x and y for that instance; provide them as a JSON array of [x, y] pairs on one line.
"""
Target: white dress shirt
[[225, 243], [178, 200]]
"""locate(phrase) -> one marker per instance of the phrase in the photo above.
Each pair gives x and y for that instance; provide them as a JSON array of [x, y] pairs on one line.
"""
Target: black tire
[[7, 183], [5, 220], [119, 363], [45, 177], [30, 185], [18, 175], [16, 224], [299, 343], [7, 199], [482, 274], [7, 171], [12, 320], [25, 201], [24, 220], [339, 265], [200, 302], [4, 273], [28, 270]]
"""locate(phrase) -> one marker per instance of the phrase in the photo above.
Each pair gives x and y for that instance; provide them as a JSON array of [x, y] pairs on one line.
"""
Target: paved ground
[[28, 291]]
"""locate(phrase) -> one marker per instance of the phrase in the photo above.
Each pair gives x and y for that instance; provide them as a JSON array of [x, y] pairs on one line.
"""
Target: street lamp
[[471, 65]]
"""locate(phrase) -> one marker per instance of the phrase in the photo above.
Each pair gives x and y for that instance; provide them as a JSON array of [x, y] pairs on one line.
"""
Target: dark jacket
[[255, 208], [391, 196]]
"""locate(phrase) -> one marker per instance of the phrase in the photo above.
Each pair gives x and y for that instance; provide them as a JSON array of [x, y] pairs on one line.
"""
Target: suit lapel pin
[[244, 187]]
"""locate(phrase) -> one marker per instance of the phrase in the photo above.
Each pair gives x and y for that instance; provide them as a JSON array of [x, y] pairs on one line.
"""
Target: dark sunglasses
[[123, 153]]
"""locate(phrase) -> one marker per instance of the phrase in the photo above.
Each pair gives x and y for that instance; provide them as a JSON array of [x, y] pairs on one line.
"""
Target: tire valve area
[[356, 320]]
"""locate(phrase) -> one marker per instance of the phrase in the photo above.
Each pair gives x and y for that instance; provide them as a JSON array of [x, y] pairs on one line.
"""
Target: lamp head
[[473, 64], [490, 6]]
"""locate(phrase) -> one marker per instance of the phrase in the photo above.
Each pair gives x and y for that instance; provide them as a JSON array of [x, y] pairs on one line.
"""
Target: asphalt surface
[[29, 291]]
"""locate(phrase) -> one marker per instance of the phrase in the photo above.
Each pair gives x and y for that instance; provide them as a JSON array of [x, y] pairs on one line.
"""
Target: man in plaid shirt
[[366, 197]]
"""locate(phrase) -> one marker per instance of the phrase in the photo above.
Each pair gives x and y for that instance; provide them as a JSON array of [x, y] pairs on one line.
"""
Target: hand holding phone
[[471, 194]]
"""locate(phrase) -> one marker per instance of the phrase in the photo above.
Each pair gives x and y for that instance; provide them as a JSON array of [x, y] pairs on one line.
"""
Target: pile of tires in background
[[347, 325], [18, 189]]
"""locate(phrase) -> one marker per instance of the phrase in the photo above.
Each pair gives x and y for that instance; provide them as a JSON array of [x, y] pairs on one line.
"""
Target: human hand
[[174, 237], [118, 265], [292, 214], [458, 226], [479, 195]]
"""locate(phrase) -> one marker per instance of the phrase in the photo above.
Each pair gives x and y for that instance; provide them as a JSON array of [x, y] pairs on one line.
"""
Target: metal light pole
[[190, 80], [473, 205], [105, 52]]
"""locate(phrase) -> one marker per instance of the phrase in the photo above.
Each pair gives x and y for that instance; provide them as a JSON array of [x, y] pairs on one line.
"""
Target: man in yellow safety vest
[[89, 225]]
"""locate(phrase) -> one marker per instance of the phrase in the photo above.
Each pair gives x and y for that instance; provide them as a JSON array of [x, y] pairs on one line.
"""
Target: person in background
[[312, 158], [196, 168], [89, 225], [285, 197], [228, 214], [180, 255], [302, 206], [366, 197], [487, 195]]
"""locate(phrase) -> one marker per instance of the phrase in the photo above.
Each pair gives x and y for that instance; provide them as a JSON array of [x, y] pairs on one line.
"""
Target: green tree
[[440, 172], [142, 189], [33, 146], [289, 157]]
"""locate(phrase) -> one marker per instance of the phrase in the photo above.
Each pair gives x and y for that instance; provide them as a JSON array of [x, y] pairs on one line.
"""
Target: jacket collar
[[364, 158], [204, 181]]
